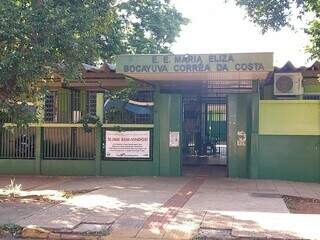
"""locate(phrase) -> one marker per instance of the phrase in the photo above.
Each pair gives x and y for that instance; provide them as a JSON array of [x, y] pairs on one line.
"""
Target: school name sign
[[193, 63]]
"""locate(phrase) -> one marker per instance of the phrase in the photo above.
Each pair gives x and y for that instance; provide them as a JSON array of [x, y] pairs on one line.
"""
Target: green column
[[164, 114], [232, 129], [38, 150], [254, 147], [39, 137], [238, 107], [83, 101], [99, 132], [175, 126], [170, 110], [156, 132]]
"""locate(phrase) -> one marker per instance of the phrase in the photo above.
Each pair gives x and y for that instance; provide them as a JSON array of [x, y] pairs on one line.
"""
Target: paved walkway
[[203, 202]]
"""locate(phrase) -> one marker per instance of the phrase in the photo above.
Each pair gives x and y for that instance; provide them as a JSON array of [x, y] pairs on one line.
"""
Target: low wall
[[17, 166], [68, 167]]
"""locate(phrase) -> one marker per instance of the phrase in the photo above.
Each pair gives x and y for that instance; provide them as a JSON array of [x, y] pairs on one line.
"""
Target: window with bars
[[50, 107], [92, 103]]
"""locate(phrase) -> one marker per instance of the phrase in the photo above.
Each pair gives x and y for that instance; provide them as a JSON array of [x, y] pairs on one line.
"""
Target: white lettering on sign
[[128, 144]]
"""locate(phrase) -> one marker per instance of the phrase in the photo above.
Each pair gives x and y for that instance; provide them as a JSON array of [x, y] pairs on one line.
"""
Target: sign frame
[[128, 158]]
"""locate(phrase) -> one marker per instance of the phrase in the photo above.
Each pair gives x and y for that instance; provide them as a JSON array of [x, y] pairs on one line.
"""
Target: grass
[[13, 189], [103, 232]]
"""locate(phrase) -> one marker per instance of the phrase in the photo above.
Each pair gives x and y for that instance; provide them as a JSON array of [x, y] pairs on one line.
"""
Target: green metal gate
[[205, 130], [216, 128]]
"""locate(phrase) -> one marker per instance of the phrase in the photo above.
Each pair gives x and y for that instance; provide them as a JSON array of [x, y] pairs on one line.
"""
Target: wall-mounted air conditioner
[[288, 84]]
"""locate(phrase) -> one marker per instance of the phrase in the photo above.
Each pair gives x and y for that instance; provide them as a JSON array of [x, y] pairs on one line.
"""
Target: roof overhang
[[196, 67]]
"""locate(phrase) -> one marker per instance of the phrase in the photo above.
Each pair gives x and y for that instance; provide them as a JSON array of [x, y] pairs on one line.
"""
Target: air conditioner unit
[[288, 84]]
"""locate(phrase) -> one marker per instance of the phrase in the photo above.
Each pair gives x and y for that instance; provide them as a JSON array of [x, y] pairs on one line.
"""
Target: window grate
[[92, 103], [50, 107]]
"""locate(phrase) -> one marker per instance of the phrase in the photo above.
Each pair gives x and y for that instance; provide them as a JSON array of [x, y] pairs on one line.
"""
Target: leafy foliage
[[148, 26], [43, 39], [276, 14], [11, 228]]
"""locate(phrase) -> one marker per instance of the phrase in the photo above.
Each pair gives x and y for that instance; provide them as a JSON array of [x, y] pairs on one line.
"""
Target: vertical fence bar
[[100, 114]]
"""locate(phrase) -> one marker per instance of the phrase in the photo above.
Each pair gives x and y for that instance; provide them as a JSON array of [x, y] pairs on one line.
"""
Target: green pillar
[[156, 132], [254, 148], [99, 132], [38, 150], [176, 126], [83, 102], [170, 114], [39, 137], [238, 107], [164, 114]]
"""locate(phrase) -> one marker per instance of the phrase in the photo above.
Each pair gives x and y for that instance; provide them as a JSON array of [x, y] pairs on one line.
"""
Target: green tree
[[40, 39], [276, 14], [148, 26]]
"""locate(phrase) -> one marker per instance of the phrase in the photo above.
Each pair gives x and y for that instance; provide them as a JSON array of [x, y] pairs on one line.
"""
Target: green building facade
[[235, 110]]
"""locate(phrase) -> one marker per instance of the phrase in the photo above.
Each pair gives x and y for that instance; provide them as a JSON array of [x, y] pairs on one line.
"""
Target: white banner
[[128, 144]]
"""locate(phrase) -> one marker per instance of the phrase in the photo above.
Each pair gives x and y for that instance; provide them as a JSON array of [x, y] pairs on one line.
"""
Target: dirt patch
[[302, 205]]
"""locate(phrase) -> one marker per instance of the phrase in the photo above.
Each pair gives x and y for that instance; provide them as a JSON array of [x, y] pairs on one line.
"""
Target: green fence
[[68, 143], [70, 148], [67, 149], [17, 143]]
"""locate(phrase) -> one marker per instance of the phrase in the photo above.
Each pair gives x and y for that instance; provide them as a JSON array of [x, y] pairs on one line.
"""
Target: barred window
[[92, 103], [50, 107]]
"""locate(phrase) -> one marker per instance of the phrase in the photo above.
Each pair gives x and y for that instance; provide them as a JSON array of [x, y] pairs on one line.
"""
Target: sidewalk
[[190, 207]]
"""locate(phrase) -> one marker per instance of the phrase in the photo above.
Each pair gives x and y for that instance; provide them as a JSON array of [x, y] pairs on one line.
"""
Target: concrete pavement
[[202, 203]]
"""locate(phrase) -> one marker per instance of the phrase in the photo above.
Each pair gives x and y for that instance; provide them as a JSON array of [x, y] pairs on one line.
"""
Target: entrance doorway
[[204, 130]]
